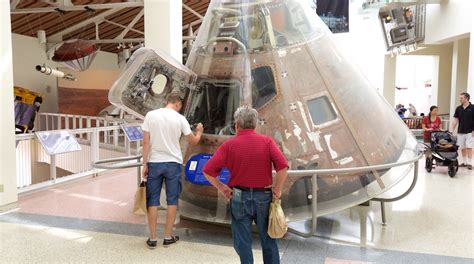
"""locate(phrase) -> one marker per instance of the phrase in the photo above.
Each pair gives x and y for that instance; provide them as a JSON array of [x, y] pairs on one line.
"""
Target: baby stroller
[[442, 152]]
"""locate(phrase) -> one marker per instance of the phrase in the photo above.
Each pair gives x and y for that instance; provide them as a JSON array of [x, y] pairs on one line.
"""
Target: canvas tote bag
[[140, 200], [277, 225]]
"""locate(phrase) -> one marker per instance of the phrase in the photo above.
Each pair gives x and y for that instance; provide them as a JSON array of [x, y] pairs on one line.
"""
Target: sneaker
[[462, 165], [469, 167], [171, 241], [151, 244]]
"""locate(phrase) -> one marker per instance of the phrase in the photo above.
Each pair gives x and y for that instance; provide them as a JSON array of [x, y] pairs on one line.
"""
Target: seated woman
[[431, 123]]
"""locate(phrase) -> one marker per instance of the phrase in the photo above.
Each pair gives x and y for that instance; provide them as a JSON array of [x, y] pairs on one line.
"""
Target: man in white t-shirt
[[162, 161]]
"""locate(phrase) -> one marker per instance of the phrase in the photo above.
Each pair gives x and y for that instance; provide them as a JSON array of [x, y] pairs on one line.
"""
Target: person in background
[[249, 157], [162, 161], [412, 110], [464, 116], [401, 110], [431, 123]]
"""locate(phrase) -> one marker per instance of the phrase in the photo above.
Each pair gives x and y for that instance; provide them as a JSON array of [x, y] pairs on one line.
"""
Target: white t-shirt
[[165, 126]]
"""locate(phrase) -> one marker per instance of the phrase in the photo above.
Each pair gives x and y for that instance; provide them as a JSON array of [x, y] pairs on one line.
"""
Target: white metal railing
[[36, 169], [55, 121], [310, 230]]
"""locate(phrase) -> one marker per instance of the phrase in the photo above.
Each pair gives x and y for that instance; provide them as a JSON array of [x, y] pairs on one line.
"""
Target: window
[[321, 110], [159, 84], [213, 104], [263, 86]]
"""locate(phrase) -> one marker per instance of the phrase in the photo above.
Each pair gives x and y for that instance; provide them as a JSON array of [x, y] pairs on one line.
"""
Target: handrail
[[99, 164], [353, 170], [91, 137], [20, 137], [315, 173], [73, 131], [108, 119], [394, 199]]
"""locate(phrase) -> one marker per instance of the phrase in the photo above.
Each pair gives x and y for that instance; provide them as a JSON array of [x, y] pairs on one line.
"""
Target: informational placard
[[133, 132], [58, 142], [194, 167]]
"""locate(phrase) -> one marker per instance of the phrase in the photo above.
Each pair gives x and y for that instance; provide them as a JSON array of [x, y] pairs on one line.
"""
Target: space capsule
[[278, 57]]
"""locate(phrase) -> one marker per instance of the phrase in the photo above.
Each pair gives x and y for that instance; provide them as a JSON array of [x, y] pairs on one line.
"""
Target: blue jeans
[[249, 207], [170, 173]]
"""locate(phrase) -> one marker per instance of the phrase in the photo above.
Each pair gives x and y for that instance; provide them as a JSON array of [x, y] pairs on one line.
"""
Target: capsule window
[[263, 86], [321, 110], [159, 84]]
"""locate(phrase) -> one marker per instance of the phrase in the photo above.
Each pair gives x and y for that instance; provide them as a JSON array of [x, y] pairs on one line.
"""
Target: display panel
[[58, 141], [133, 132]]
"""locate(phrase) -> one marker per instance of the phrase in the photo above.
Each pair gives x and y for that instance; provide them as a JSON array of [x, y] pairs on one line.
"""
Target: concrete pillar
[[163, 26], [470, 80], [442, 68], [8, 188], [459, 74], [444, 83], [390, 73], [435, 81]]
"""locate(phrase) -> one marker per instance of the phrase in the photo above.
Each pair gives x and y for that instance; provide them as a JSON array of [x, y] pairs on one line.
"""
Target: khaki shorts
[[465, 141]]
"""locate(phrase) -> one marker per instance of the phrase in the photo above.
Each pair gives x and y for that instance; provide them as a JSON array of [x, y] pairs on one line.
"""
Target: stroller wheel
[[429, 164], [452, 169]]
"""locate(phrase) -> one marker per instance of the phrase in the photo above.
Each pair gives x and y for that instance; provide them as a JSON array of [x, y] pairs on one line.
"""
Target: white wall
[[90, 79], [105, 61], [27, 53], [8, 192], [448, 21]]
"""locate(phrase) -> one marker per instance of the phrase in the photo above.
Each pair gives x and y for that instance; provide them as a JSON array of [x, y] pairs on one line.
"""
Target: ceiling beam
[[123, 40], [131, 24], [192, 11], [98, 18], [14, 11], [49, 2], [111, 41], [14, 3], [192, 24], [122, 26]]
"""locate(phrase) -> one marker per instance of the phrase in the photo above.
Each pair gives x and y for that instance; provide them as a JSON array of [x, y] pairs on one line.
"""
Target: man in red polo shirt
[[249, 157]]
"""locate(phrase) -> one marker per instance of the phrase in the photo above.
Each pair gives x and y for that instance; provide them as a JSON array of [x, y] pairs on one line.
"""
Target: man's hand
[[199, 128], [276, 193], [226, 191], [144, 172]]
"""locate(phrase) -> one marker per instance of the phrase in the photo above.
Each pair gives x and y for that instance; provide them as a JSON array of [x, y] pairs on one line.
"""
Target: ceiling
[[111, 16]]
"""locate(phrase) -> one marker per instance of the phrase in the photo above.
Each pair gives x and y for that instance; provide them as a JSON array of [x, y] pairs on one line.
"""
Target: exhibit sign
[[58, 141], [194, 173], [133, 132]]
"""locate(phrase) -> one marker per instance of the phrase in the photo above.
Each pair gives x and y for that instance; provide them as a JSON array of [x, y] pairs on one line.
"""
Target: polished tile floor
[[91, 221]]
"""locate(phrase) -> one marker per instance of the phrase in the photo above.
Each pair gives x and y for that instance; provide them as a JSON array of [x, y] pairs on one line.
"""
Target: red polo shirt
[[249, 158]]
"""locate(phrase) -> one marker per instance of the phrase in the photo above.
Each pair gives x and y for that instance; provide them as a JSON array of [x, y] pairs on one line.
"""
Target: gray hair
[[246, 117]]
